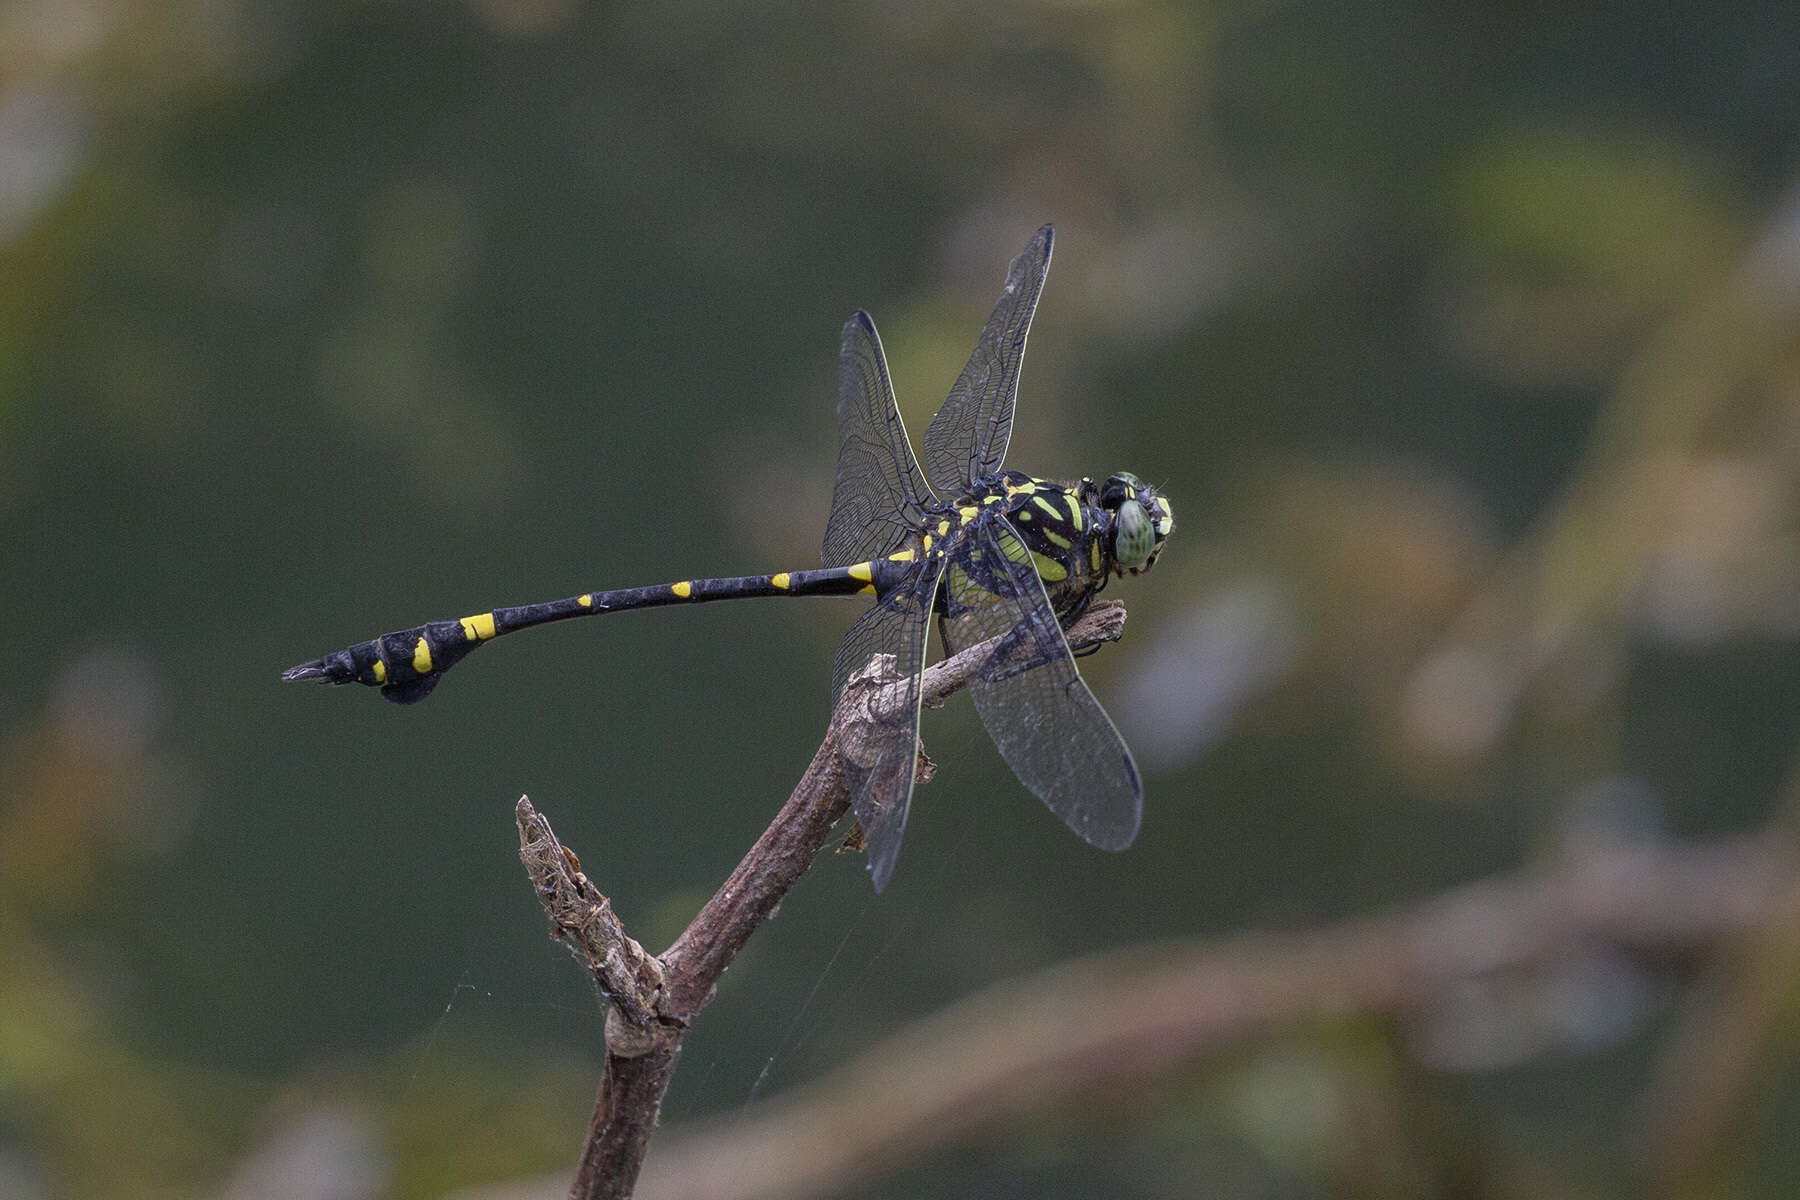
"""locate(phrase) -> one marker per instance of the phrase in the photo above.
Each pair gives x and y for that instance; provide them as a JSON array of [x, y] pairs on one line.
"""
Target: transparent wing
[[1047, 724], [885, 651], [879, 488], [967, 439]]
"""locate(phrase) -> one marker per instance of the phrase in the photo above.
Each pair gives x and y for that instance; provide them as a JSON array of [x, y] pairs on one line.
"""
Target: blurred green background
[[1466, 343]]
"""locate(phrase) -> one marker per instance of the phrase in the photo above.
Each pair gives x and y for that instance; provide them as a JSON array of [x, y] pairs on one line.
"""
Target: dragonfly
[[1003, 560]]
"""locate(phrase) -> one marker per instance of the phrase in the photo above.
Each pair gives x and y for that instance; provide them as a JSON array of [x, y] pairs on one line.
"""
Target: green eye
[[1133, 536]]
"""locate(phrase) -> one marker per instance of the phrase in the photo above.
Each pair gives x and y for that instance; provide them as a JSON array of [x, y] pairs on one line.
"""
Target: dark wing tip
[[857, 336], [1114, 834], [1122, 839], [881, 870], [1113, 838], [883, 848]]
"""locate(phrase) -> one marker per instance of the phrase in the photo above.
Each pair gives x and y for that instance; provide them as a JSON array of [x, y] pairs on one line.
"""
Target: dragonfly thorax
[[1060, 527], [1075, 536]]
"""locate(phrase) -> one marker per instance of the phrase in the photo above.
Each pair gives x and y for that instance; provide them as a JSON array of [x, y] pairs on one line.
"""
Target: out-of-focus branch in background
[[1093, 1031]]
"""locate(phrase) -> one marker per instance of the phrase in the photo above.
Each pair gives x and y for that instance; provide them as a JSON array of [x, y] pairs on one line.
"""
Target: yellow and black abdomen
[[407, 664]]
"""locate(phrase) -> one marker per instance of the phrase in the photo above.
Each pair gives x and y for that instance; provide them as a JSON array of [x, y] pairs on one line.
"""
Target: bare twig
[[641, 1041], [579, 914], [655, 999]]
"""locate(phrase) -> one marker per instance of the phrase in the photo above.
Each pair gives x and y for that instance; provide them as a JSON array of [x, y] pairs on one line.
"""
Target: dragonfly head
[[1141, 520]]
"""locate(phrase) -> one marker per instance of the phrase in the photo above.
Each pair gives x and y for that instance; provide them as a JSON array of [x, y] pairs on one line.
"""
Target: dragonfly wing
[[1048, 726], [879, 747], [967, 439], [879, 487]]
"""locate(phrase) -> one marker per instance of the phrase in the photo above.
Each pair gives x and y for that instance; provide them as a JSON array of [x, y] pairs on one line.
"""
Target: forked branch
[[655, 998]]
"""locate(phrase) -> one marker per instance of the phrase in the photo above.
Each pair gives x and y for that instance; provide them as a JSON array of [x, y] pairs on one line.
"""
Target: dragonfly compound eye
[[1134, 537]]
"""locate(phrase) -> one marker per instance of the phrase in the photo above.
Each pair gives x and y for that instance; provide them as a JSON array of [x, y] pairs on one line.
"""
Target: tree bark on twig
[[655, 998]]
